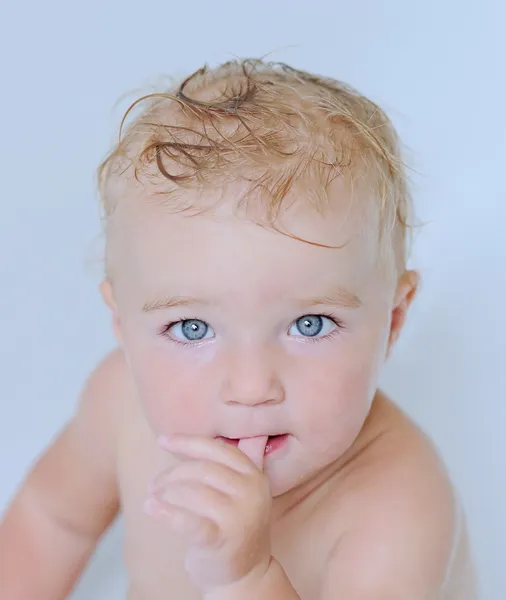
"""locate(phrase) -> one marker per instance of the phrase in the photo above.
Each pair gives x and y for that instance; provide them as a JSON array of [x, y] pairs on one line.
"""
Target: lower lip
[[273, 443]]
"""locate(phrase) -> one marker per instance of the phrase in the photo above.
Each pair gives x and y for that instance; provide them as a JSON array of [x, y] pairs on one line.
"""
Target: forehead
[[221, 250]]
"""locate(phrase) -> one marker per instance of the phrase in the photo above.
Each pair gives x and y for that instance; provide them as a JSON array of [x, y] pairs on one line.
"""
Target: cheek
[[335, 395], [335, 405], [173, 399]]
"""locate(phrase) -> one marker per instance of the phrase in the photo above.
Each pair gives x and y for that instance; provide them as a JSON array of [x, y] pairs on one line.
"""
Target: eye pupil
[[310, 325], [194, 330]]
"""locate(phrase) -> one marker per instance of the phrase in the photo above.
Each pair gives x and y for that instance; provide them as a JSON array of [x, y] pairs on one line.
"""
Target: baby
[[257, 220]]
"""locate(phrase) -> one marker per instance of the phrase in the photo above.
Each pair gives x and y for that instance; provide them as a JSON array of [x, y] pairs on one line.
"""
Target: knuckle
[[209, 532]]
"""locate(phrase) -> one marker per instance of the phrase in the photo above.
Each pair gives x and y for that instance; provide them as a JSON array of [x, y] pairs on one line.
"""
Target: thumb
[[254, 449]]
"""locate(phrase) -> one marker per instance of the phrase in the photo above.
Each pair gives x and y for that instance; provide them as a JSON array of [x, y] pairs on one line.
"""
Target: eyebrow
[[175, 302], [339, 297]]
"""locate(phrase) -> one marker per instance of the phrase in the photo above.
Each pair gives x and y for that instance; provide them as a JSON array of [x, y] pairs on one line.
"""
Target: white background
[[438, 69]]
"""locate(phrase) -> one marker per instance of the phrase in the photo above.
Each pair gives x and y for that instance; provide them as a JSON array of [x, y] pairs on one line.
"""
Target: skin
[[356, 479]]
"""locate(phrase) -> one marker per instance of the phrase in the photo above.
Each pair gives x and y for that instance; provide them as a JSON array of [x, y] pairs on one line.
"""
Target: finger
[[215, 474], [254, 449], [197, 529], [200, 499], [202, 448]]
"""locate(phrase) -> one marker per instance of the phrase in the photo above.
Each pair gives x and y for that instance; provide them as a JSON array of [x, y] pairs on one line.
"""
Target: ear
[[406, 291], [107, 293]]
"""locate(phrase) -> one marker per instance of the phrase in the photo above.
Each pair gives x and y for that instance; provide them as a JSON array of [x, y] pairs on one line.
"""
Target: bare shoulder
[[106, 387], [405, 533], [73, 483], [100, 405], [104, 406]]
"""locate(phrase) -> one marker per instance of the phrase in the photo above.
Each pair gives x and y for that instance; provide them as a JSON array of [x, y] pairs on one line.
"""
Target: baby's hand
[[220, 501]]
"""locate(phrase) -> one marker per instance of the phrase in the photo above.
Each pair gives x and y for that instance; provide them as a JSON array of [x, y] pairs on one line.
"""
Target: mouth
[[273, 442]]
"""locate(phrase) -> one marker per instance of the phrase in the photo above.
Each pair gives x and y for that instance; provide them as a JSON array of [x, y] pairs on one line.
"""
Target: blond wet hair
[[270, 126]]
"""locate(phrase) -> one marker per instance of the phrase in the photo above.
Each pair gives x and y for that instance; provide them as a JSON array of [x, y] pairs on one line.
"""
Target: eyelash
[[339, 328], [338, 323], [165, 332]]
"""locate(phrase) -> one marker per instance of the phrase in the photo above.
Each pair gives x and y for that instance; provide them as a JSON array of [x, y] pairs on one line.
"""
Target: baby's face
[[236, 331]]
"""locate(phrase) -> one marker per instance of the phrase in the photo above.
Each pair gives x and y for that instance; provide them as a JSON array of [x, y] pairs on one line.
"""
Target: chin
[[284, 478], [300, 467]]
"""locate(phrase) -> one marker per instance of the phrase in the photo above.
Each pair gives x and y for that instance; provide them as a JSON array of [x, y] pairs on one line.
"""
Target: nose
[[251, 379]]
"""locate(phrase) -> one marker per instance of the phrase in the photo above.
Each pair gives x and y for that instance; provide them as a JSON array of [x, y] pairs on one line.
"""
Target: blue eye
[[190, 330], [312, 326]]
